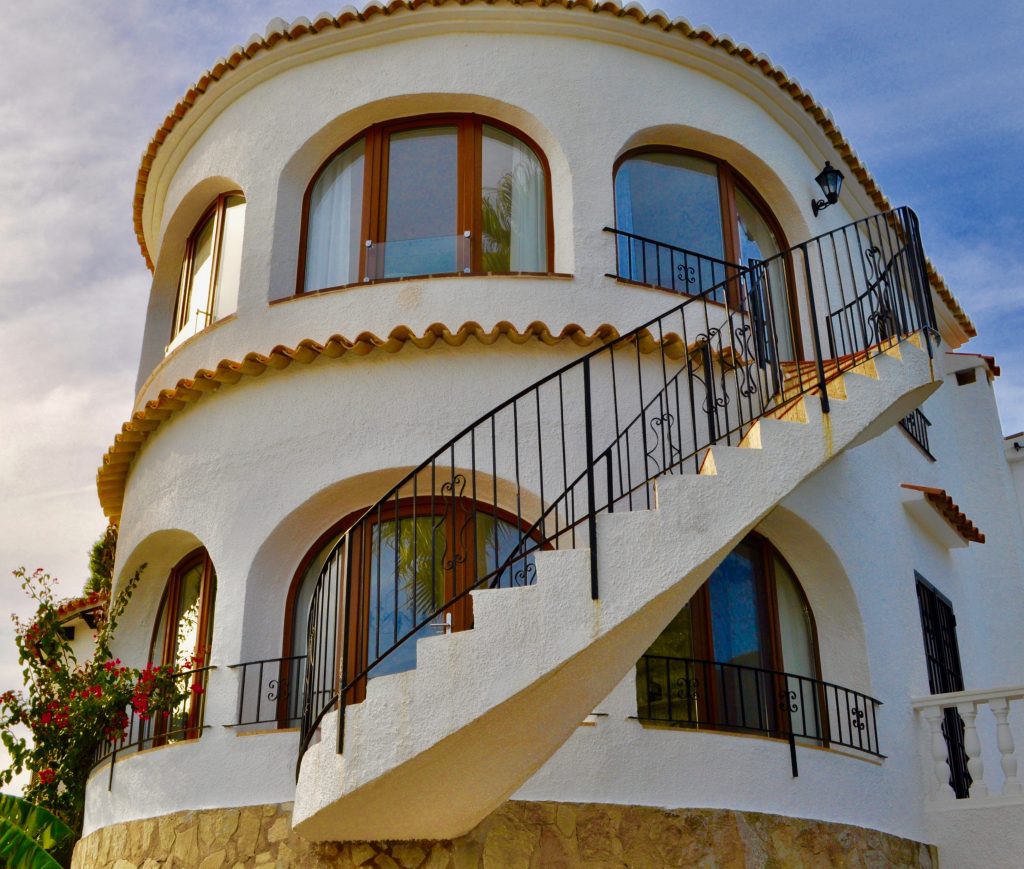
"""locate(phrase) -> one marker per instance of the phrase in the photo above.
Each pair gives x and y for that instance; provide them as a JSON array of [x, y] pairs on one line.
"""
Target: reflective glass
[[499, 544], [766, 285], [406, 587], [513, 206], [335, 222], [672, 199], [300, 611], [230, 261], [422, 202]]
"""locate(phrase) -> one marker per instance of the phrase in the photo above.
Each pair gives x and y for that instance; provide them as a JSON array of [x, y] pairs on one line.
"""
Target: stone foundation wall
[[519, 835]]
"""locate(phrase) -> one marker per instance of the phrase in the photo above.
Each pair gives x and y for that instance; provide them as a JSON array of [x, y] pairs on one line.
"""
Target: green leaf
[[27, 832]]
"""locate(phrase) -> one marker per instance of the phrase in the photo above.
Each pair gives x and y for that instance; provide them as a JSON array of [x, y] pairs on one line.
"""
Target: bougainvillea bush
[[71, 708]]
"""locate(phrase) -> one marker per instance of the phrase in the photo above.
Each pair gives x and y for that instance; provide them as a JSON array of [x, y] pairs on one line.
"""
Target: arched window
[[407, 572], [428, 196], [208, 288], [722, 662], [688, 222], [183, 633]]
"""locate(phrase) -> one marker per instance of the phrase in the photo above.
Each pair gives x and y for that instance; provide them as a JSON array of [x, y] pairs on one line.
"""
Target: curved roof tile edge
[[949, 510], [112, 475], [278, 30]]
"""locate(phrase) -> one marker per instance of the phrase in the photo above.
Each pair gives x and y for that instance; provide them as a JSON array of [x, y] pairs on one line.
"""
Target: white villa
[[552, 449]]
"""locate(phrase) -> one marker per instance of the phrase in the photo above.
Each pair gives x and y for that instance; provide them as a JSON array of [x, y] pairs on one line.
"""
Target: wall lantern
[[830, 180]]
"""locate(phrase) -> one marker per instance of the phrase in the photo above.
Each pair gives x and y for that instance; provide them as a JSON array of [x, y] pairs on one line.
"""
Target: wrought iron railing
[[714, 695], [655, 263], [916, 425], [592, 437], [270, 691], [139, 731]]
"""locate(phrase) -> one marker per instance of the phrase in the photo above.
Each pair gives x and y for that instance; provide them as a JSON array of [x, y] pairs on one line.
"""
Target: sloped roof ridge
[[279, 30]]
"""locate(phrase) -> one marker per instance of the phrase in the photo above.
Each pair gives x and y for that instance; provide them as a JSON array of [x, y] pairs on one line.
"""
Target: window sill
[[377, 281], [801, 742], [667, 291], [175, 344]]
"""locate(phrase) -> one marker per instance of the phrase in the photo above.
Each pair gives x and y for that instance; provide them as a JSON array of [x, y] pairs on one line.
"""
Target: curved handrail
[[724, 695], [141, 729], [596, 432]]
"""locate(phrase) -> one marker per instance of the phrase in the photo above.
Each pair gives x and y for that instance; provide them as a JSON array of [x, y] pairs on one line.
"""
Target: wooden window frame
[[207, 598], [459, 514], [763, 554], [182, 304], [469, 172], [730, 180], [461, 577]]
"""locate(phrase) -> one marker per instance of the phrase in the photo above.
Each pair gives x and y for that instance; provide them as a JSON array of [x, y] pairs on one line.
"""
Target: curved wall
[[258, 471], [653, 89]]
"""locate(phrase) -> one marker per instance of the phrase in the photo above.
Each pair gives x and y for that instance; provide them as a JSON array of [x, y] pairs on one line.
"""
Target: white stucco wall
[[654, 89], [257, 471]]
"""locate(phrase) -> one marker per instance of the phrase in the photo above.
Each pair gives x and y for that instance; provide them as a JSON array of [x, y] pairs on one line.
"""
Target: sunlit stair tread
[[431, 751]]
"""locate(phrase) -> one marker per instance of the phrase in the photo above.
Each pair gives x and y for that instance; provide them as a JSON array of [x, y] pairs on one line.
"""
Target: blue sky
[[927, 93]]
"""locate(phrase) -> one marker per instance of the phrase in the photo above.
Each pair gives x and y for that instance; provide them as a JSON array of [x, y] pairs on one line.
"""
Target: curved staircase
[[657, 487]]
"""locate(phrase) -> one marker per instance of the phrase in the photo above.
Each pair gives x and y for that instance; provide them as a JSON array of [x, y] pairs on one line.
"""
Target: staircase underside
[[432, 751]]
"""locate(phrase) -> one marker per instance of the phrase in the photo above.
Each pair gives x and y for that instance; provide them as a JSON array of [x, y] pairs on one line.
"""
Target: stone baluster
[[972, 746], [1001, 709], [940, 790]]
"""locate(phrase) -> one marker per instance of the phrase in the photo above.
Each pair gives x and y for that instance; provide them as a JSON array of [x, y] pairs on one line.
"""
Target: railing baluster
[[732, 314]]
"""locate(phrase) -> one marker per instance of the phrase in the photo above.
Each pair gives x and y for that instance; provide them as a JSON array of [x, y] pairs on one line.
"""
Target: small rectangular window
[[965, 377]]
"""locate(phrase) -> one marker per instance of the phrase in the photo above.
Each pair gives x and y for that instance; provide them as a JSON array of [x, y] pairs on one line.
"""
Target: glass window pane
[[186, 638], [667, 679], [156, 648], [743, 694], [795, 627], [501, 544], [796, 635], [406, 587], [513, 206], [422, 202], [335, 222], [300, 611], [193, 314], [229, 268], [735, 616], [672, 199], [766, 287]]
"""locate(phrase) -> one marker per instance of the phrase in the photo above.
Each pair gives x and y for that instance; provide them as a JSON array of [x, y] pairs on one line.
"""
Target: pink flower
[[46, 776]]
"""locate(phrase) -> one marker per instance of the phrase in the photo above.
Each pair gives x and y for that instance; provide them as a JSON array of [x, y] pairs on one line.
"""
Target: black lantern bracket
[[830, 180]]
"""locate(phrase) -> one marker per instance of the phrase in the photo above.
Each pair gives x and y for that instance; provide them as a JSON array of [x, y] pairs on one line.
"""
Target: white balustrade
[[982, 732]]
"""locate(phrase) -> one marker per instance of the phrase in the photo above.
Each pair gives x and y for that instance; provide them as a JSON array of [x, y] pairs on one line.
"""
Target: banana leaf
[[27, 833]]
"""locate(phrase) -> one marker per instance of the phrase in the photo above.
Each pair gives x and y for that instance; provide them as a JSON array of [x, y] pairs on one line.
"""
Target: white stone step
[[432, 751]]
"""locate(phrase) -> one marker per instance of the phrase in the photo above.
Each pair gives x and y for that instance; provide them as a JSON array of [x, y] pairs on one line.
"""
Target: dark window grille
[[714, 695], [270, 691], [942, 654], [916, 425]]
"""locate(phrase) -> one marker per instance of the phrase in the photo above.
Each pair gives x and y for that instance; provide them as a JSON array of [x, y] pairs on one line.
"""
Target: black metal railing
[[592, 437], [139, 731], [713, 695], [916, 425], [270, 691], [655, 263]]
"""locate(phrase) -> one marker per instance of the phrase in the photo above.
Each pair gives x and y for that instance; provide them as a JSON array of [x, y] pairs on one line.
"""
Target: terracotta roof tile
[[280, 31], [113, 473], [950, 511], [990, 362]]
